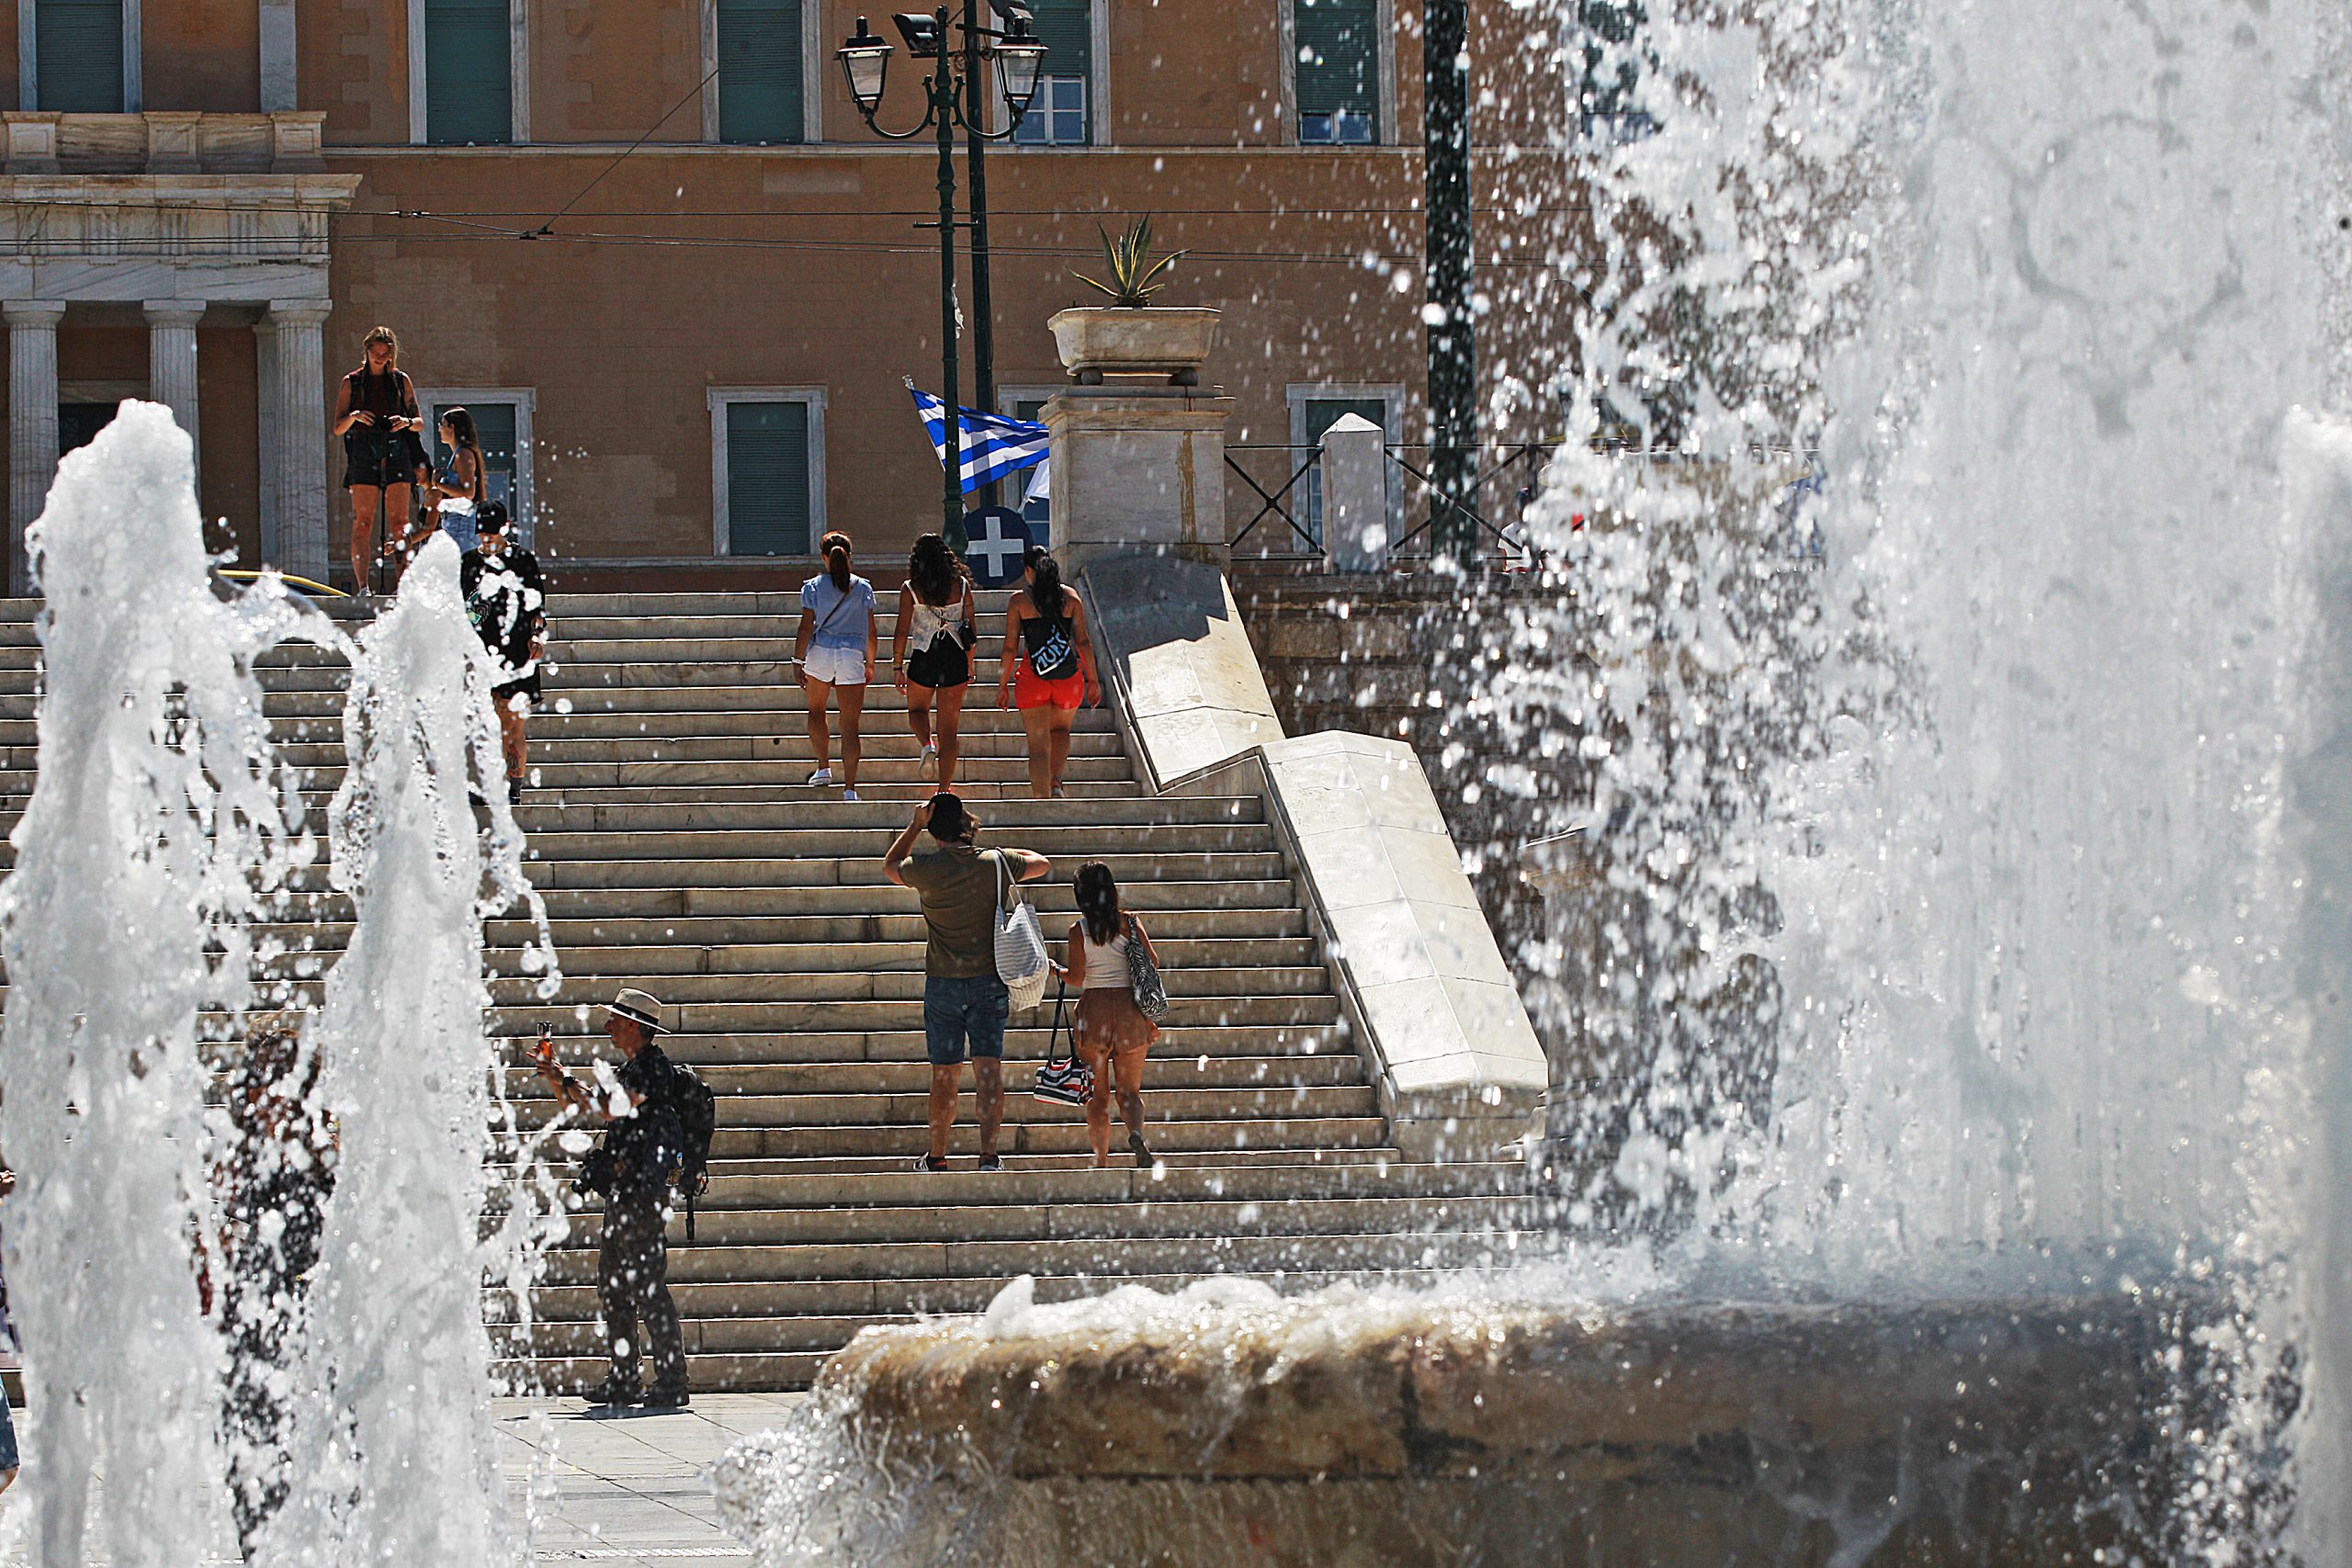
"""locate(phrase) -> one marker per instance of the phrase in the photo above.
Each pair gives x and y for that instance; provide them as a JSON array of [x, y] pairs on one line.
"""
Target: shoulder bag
[[1143, 977], [1021, 961], [1063, 1080]]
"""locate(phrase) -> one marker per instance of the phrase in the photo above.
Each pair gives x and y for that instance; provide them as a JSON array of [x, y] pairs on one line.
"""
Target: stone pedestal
[[1355, 495], [32, 422], [1138, 471]]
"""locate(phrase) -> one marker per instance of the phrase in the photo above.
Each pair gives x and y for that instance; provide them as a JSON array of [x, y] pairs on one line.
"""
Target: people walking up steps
[[836, 650], [965, 1005], [932, 652], [1112, 1030], [1049, 667], [645, 1150]]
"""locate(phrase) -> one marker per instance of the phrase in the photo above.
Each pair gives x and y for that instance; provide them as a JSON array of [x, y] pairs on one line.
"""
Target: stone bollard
[[1355, 495]]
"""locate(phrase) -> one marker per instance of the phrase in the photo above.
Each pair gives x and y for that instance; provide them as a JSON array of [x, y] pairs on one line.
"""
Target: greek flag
[[993, 445]]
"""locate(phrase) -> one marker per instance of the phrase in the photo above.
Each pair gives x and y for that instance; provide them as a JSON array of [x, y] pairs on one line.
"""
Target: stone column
[[32, 422], [1355, 495], [277, 80], [267, 430], [294, 453], [171, 363]]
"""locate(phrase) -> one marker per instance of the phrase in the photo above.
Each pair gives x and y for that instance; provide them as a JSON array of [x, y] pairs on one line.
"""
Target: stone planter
[[1099, 340]]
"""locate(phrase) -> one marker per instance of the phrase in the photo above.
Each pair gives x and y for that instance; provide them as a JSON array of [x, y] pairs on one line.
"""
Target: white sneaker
[[929, 764], [821, 778], [850, 793]]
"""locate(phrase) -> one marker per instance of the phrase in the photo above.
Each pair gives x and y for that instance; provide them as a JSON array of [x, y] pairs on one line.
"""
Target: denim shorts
[[957, 1010]]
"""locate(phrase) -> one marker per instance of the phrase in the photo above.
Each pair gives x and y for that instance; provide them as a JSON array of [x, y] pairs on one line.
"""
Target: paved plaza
[[622, 1489]]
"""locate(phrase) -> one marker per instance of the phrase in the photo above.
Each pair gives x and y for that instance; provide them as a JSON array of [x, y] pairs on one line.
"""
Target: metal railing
[[1279, 489]]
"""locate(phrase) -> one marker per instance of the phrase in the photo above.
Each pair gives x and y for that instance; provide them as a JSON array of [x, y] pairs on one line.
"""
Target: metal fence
[[1275, 503]]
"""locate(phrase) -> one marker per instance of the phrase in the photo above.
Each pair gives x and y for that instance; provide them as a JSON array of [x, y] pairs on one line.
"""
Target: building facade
[[655, 249]]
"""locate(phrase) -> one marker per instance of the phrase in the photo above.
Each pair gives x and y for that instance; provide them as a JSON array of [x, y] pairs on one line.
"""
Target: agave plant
[[1133, 272]]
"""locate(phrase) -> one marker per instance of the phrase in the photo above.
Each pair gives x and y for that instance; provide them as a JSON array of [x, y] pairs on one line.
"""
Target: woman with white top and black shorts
[[932, 653], [1110, 1032], [836, 651]]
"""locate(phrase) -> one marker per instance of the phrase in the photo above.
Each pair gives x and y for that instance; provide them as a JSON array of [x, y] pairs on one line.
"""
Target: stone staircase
[[681, 850]]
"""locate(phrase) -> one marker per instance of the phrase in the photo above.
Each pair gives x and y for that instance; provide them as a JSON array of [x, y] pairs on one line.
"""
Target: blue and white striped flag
[[993, 445]]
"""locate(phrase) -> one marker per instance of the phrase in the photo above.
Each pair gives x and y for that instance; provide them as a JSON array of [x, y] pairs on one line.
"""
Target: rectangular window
[[1338, 69], [1059, 116], [468, 72], [77, 54], [767, 479], [760, 71]]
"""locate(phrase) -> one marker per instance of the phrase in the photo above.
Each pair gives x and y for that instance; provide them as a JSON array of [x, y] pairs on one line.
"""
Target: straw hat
[[637, 1007]]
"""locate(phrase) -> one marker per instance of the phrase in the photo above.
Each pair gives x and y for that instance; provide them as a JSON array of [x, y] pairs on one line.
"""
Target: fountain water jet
[[161, 824], [398, 1412]]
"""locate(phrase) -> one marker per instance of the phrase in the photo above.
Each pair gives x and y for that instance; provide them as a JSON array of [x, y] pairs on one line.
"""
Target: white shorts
[[834, 666]]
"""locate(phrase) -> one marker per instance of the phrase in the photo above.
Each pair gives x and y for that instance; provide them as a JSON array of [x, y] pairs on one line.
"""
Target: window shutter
[[1066, 27], [469, 81], [77, 48], [759, 71], [1338, 55], [767, 479]]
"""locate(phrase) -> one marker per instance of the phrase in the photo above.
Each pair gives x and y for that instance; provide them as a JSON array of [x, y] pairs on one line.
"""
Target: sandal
[[1143, 1153]]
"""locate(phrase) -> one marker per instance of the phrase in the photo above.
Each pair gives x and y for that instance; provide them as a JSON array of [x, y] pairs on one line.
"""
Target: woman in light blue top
[[836, 652]]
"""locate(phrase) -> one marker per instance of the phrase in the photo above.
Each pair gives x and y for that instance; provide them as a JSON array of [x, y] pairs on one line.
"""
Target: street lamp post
[[866, 60]]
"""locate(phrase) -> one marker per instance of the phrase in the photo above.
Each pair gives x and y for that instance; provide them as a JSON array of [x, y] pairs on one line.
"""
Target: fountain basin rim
[[1451, 1388]]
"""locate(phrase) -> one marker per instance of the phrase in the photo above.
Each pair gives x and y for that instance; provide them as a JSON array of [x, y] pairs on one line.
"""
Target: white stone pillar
[[32, 422], [296, 460], [1355, 495], [277, 80], [171, 363]]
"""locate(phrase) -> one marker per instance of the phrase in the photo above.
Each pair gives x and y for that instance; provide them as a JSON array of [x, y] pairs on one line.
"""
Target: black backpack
[[698, 1109]]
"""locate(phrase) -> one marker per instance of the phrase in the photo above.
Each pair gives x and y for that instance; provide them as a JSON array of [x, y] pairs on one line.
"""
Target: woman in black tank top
[[377, 416], [1049, 667]]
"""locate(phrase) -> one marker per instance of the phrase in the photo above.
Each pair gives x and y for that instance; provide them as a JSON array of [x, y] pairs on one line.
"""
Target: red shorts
[[1030, 692]]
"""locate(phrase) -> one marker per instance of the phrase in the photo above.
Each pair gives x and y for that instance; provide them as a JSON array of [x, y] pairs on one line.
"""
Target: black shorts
[[377, 459], [527, 687]]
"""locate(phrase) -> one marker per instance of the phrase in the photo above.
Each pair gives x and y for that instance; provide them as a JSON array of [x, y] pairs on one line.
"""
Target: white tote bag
[[1021, 961]]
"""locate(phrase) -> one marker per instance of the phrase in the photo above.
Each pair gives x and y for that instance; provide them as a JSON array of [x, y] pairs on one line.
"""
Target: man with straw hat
[[642, 1150]]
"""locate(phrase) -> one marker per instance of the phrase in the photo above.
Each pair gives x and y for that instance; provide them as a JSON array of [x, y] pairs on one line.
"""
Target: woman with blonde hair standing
[[836, 651], [376, 414], [1111, 1031]]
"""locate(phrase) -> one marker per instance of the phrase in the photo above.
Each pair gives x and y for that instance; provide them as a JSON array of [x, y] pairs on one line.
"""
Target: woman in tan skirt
[[1111, 1031]]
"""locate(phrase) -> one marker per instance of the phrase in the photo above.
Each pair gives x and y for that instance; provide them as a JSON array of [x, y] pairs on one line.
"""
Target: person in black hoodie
[[643, 1149], [507, 601]]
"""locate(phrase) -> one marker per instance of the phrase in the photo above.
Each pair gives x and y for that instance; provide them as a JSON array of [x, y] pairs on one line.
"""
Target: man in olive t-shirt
[[963, 1003]]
